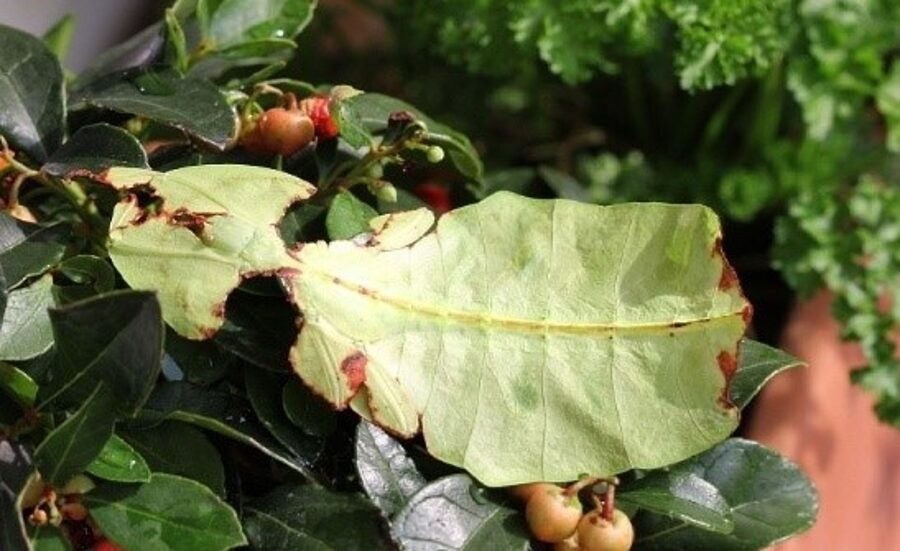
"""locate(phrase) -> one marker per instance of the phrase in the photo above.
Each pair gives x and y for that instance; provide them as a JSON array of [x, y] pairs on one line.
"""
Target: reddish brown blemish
[[101, 177], [677, 324], [354, 368], [195, 222], [729, 278], [747, 313], [728, 365]]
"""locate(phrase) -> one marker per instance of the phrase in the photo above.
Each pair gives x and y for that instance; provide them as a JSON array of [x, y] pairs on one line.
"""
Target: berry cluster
[[556, 515]]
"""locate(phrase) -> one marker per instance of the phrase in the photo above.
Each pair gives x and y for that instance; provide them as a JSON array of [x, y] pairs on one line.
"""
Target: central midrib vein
[[516, 324]]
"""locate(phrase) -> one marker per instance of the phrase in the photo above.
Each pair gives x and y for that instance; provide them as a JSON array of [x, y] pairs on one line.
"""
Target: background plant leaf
[[386, 473], [680, 495], [92, 276], [15, 468], [770, 498], [264, 391], [311, 517], [116, 338], [48, 538], [75, 443], [193, 105], [25, 331], [119, 462], [28, 250], [241, 21], [17, 384], [95, 148], [180, 449], [348, 216], [307, 411], [169, 512], [366, 115], [453, 513], [32, 109], [221, 413], [758, 364]]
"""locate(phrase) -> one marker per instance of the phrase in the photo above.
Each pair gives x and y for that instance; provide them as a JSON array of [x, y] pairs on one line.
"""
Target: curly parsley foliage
[[720, 41], [723, 41], [847, 242], [838, 63]]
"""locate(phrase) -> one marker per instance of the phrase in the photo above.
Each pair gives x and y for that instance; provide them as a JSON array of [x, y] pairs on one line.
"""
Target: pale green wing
[[532, 339], [194, 233]]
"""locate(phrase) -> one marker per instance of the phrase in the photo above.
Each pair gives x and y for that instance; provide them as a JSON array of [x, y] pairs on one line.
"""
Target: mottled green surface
[[597, 338]]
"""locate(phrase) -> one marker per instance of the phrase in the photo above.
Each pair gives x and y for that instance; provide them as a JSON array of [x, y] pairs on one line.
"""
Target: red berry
[[106, 545], [284, 131], [436, 195], [318, 109]]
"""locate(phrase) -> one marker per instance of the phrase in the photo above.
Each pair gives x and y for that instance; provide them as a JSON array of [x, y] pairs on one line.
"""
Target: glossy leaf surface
[[311, 517], [770, 500], [32, 109], [453, 513], [119, 462], [167, 513]]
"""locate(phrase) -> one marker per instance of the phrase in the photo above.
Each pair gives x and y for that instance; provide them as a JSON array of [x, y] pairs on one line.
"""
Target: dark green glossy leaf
[[770, 498], [758, 364], [74, 444], [32, 108], [311, 517], [238, 21], [169, 512], [223, 413], [386, 473], [141, 50], [365, 115], [454, 513], [348, 216], [28, 250], [25, 332], [115, 338], [262, 48], [310, 413], [680, 495], [302, 222], [264, 391], [180, 449], [95, 148], [48, 538], [193, 105], [119, 462], [17, 384], [59, 37], [15, 468], [201, 363], [91, 274]]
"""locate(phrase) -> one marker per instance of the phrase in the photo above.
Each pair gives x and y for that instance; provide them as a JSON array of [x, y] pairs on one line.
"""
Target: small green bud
[[435, 154]]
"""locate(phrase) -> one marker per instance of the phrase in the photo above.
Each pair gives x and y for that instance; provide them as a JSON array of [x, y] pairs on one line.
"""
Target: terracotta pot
[[817, 418]]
